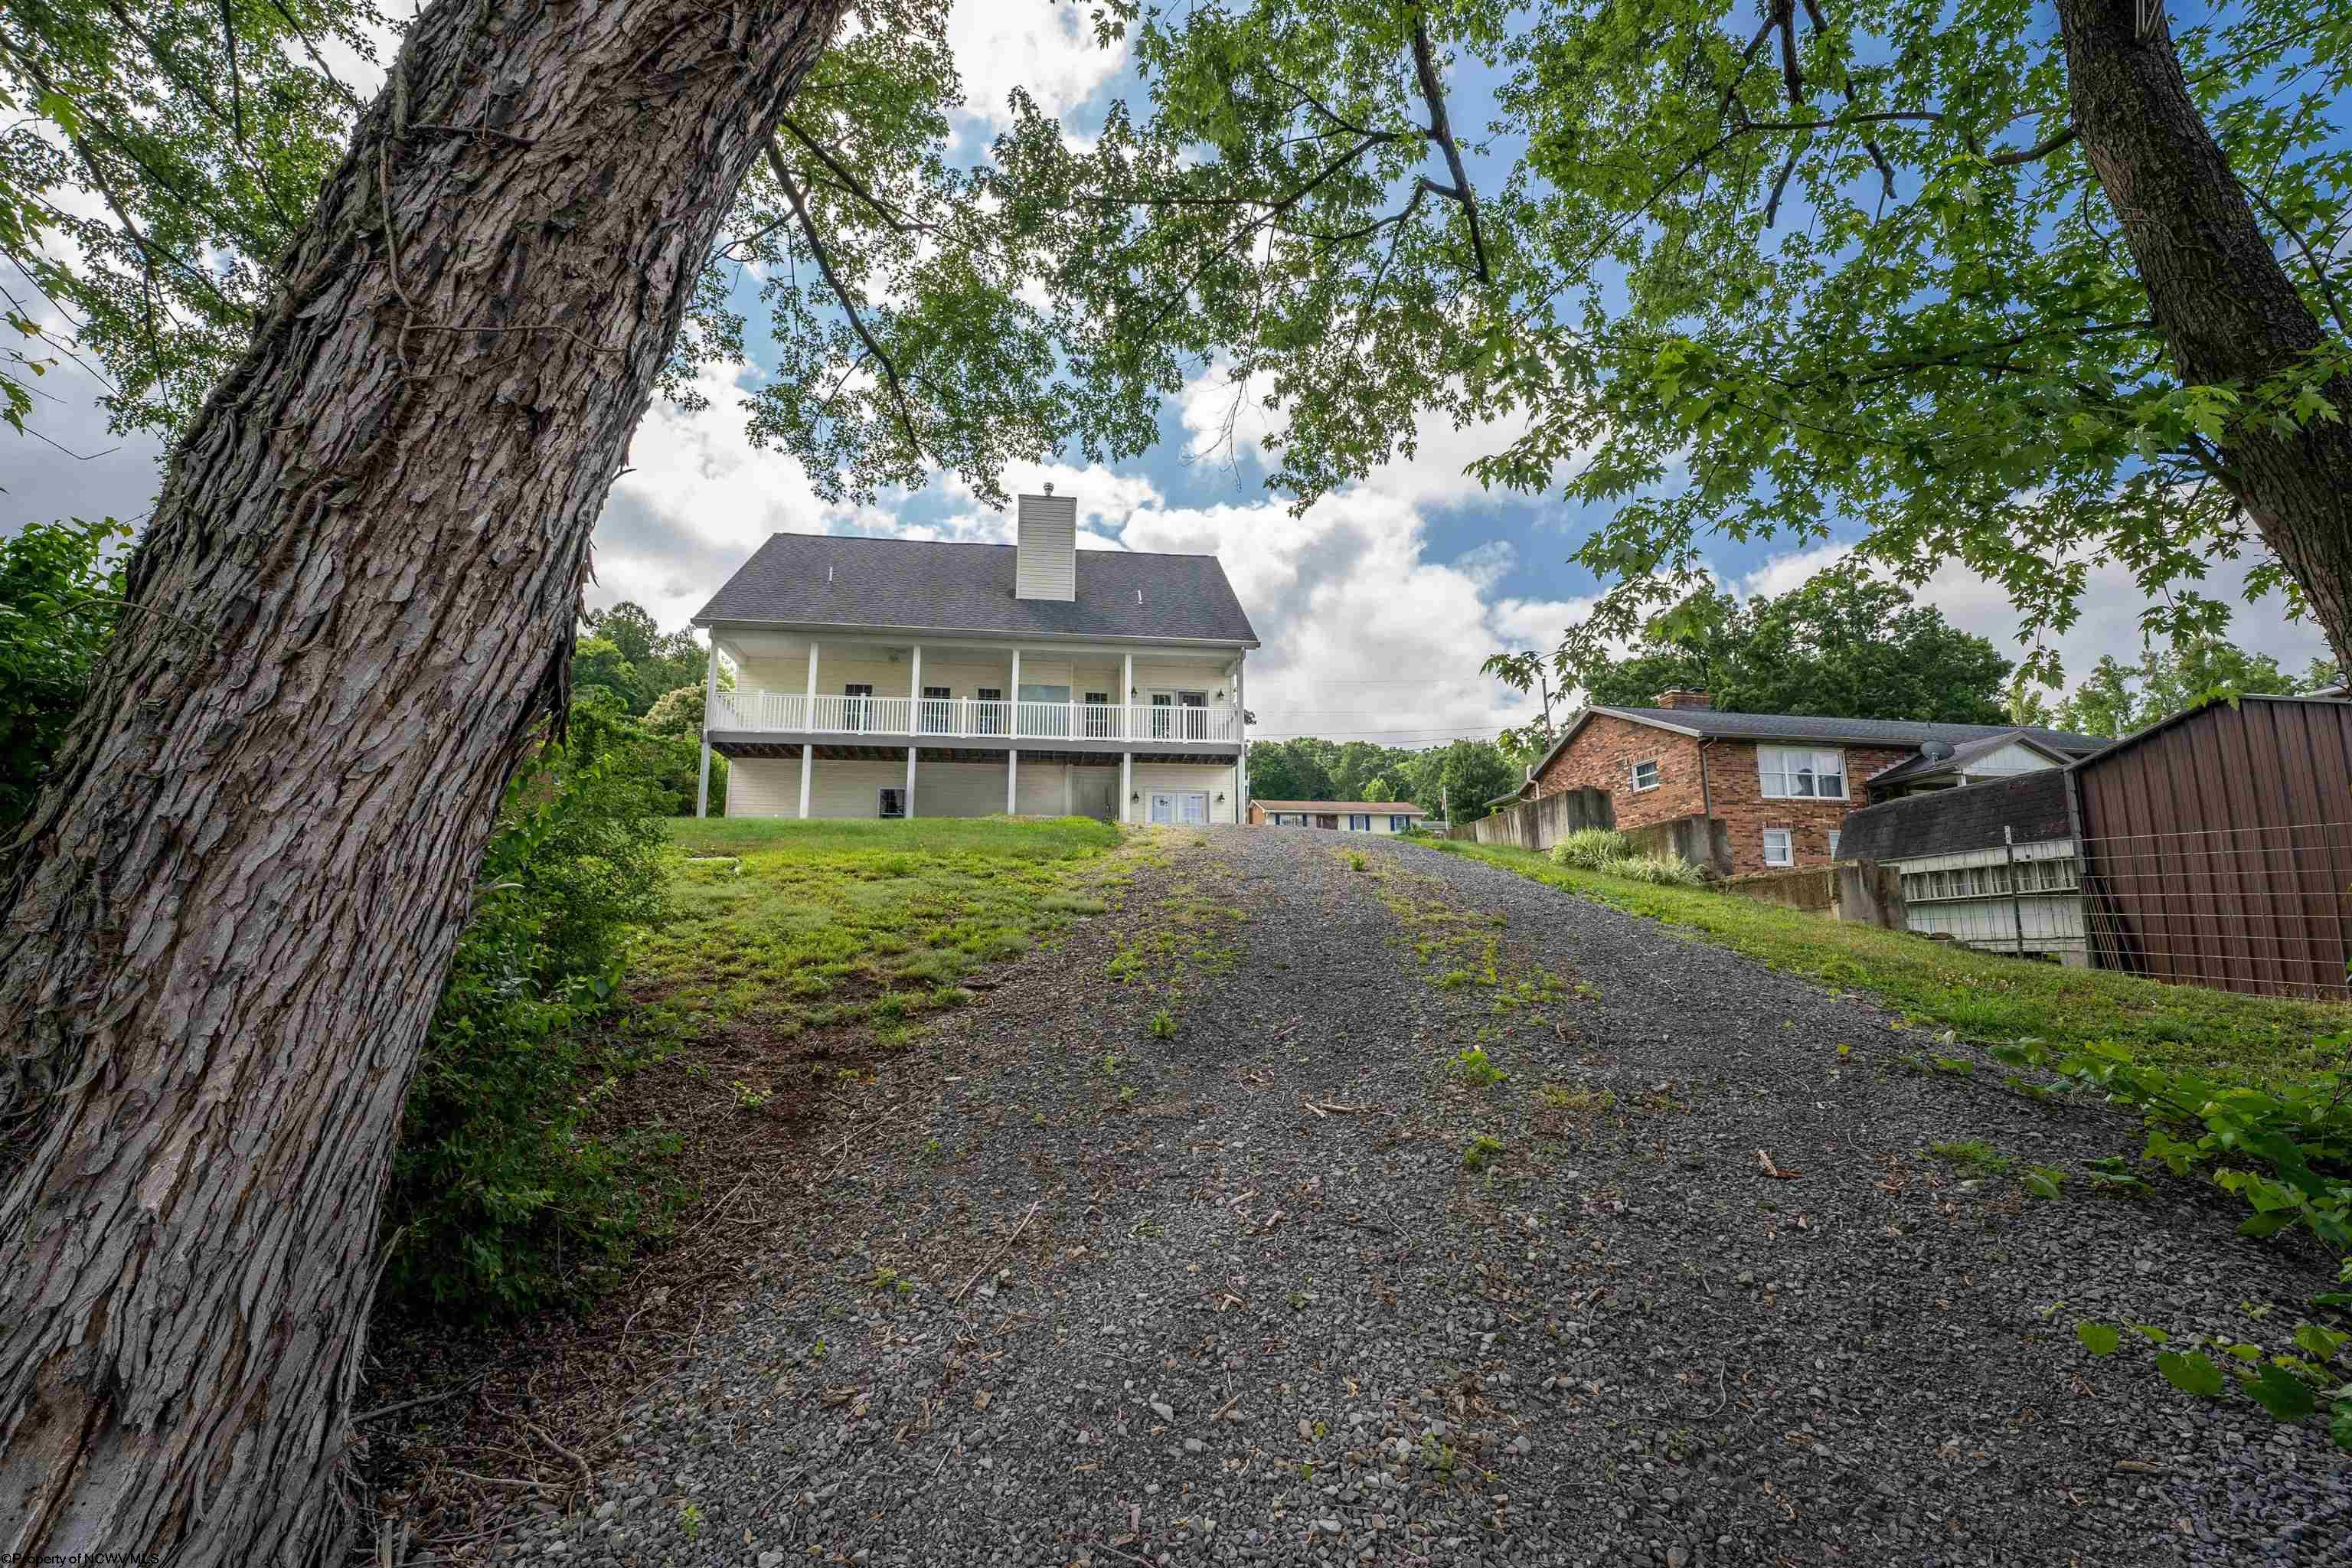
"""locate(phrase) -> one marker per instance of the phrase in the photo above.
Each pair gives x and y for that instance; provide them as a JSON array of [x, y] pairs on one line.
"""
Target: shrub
[[1586, 847], [1666, 870], [497, 1176], [59, 595]]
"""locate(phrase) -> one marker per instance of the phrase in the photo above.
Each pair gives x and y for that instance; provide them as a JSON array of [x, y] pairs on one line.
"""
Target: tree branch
[[2319, 274], [236, 76], [1441, 131], [2042, 149], [849, 306], [899, 220]]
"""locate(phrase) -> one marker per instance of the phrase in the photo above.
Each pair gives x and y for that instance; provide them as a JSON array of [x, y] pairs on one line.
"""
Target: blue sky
[[1376, 605]]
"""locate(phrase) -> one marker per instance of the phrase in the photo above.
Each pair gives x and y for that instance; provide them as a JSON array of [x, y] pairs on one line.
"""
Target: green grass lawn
[[784, 927], [1980, 996]]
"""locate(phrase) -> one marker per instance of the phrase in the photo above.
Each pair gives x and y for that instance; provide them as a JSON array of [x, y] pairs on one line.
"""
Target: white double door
[[1180, 807]]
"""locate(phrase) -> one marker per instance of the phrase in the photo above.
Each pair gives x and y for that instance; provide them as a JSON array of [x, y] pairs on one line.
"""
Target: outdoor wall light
[[1220, 797], [1134, 797]]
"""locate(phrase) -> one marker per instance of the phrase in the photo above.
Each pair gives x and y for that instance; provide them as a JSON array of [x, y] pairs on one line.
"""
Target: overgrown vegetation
[[1606, 850], [60, 590], [496, 1175], [1978, 996]]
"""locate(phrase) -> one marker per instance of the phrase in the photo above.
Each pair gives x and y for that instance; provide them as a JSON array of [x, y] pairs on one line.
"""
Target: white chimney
[[1046, 545]]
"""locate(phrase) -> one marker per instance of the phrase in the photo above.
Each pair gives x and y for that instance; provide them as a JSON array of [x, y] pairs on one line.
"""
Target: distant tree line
[[1849, 647], [1463, 776]]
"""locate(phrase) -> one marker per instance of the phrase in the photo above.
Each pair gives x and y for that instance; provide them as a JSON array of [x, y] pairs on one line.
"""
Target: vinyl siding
[[770, 787], [1046, 563], [1150, 776]]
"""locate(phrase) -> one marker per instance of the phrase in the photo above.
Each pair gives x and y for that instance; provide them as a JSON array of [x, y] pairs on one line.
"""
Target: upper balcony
[[1175, 720]]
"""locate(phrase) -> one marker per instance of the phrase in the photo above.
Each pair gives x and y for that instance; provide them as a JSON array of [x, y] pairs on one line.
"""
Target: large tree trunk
[[2229, 312], [227, 936]]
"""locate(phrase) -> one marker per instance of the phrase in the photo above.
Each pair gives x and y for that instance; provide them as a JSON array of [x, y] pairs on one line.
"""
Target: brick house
[[1780, 782]]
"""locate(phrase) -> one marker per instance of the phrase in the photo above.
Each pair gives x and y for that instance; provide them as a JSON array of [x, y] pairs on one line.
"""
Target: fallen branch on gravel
[[587, 1476], [999, 1253], [383, 1410], [1773, 1170]]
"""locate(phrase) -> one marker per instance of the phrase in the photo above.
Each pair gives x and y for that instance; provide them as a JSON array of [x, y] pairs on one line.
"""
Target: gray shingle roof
[[1962, 755], [1955, 821], [857, 580], [1393, 808], [1853, 731]]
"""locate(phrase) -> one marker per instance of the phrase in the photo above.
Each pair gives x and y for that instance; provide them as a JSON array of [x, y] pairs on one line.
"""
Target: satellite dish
[[1936, 750]]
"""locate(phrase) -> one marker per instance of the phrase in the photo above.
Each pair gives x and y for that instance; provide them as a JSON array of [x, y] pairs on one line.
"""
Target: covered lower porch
[[769, 778]]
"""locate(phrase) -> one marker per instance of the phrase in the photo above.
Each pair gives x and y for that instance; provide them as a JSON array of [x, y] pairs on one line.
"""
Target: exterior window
[[1789, 773], [894, 802], [1833, 843], [1645, 776], [1398, 823], [1780, 848], [938, 716], [858, 710], [1360, 822], [991, 721], [1098, 714]]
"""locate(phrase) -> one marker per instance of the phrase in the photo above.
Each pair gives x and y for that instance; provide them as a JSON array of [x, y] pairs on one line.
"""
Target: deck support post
[[808, 762], [709, 701], [1126, 782], [1012, 777]]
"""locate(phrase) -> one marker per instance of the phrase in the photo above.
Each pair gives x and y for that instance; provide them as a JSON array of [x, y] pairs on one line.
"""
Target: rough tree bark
[[226, 940], [2229, 312]]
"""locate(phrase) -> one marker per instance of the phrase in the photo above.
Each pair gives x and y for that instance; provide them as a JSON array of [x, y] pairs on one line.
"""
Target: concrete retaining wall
[[1539, 824]]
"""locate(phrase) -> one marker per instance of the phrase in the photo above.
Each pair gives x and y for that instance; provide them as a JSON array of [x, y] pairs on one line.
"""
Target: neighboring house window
[[939, 710], [894, 802], [1779, 847], [859, 708], [1098, 713], [990, 720], [1791, 772], [1833, 843], [1398, 823], [1645, 776], [1360, 822]]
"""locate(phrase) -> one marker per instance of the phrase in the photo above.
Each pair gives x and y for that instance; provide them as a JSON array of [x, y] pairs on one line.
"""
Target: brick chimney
[[1678, 698]]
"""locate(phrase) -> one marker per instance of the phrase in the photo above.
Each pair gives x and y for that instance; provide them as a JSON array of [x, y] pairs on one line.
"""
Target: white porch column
[[1012, 777], [915, 692], [910, 784], [808, 762], [1241, 731], [709, 701], [1125, 781], [1015, 727], [808, 714], [1126, 698]]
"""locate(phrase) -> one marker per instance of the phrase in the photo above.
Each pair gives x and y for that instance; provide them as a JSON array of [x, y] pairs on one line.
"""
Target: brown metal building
[[2217, 847]]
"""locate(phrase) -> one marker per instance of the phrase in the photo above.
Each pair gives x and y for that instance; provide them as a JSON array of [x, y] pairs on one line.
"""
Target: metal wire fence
[[2261, 910]]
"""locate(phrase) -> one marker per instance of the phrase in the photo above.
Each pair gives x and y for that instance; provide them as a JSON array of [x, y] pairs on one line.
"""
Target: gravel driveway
[[1076, 1289]]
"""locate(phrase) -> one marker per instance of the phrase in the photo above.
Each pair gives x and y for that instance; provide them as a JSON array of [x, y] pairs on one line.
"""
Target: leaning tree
[[402, 350]]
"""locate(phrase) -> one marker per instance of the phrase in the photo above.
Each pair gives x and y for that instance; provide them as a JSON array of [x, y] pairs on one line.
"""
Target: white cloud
[[1049, 50]]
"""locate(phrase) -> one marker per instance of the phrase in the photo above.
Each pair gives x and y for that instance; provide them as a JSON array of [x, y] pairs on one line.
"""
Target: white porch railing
[[969, 718]]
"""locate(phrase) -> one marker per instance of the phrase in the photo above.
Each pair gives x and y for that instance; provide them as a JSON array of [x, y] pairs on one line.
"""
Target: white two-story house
[[896, 677]]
